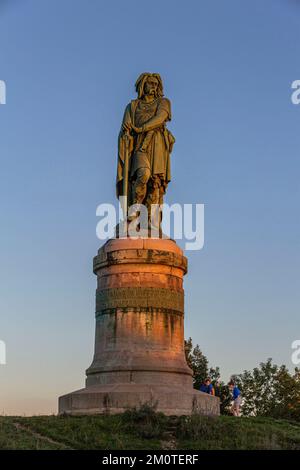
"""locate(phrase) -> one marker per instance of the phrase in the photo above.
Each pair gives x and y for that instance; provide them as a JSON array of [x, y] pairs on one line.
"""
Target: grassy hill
[[147, 430]]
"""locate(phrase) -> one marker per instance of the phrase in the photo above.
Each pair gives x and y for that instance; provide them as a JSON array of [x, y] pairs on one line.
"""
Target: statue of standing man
[[145, 145]]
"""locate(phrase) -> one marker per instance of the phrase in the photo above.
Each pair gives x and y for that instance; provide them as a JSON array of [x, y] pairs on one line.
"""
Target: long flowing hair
[[140, 83]]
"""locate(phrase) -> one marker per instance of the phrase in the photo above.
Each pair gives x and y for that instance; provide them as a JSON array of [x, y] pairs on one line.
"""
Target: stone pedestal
[[139, 346]]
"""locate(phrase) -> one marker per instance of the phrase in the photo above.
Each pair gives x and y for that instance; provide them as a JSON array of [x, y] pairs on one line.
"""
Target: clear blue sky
[[70, 67]]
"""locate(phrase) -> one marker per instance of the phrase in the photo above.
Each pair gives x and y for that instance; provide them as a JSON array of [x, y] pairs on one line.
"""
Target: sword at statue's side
[[125, 175]]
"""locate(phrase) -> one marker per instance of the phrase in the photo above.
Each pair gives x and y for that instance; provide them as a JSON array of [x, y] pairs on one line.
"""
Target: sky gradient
[[70, 68]]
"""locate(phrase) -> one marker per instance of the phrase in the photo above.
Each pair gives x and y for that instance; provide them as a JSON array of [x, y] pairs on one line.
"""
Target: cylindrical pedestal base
[[139, 314], [139, 345]]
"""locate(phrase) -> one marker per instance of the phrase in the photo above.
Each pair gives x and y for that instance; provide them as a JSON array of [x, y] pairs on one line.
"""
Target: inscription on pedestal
[[139, 297]]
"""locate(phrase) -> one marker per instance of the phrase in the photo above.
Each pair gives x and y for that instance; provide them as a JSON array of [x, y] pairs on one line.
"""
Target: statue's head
[[149, 84]]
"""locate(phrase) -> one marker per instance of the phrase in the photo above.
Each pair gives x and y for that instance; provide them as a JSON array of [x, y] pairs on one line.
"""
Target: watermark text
[[2, 353], [2, 92], [295, 358], [177, 221], [295, 96]]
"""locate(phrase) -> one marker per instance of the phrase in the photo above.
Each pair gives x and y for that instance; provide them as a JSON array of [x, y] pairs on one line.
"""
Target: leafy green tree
[[198, 362], [270, 390]]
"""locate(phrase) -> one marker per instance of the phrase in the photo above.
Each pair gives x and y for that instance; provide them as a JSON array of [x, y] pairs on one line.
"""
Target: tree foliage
[[198, 362], [270, 390]]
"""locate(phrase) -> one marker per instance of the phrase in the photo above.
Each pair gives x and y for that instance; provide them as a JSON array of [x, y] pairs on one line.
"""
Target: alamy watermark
[[2, 353], [295, 96], [295, 357], [2, 92], [178, 221]]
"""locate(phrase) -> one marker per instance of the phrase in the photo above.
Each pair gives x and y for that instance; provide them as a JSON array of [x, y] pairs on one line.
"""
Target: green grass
[[228, 432], [13, 438], [148, 431]]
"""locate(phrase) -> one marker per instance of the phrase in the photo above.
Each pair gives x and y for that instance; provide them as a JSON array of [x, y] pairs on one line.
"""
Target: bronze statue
[[145, 144]]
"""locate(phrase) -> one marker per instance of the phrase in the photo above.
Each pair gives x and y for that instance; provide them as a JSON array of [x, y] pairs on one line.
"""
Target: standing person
[[150, 144], [236, 395], [207, 387]]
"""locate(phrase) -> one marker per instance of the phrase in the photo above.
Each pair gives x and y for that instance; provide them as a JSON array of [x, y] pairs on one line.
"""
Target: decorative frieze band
[[139, 297]]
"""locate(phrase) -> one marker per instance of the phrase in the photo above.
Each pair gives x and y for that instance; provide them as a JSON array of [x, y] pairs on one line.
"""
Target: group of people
[[207, 387]]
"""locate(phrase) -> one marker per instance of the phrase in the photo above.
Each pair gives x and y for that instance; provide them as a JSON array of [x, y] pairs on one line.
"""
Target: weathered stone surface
[[116, 398], [140, 251], [139, 343]]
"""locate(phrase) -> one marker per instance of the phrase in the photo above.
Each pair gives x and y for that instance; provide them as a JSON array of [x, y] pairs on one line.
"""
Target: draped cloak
[[159, 148]]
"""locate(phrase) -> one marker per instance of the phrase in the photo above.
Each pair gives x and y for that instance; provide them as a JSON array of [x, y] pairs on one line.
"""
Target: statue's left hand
[[137, 130]]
